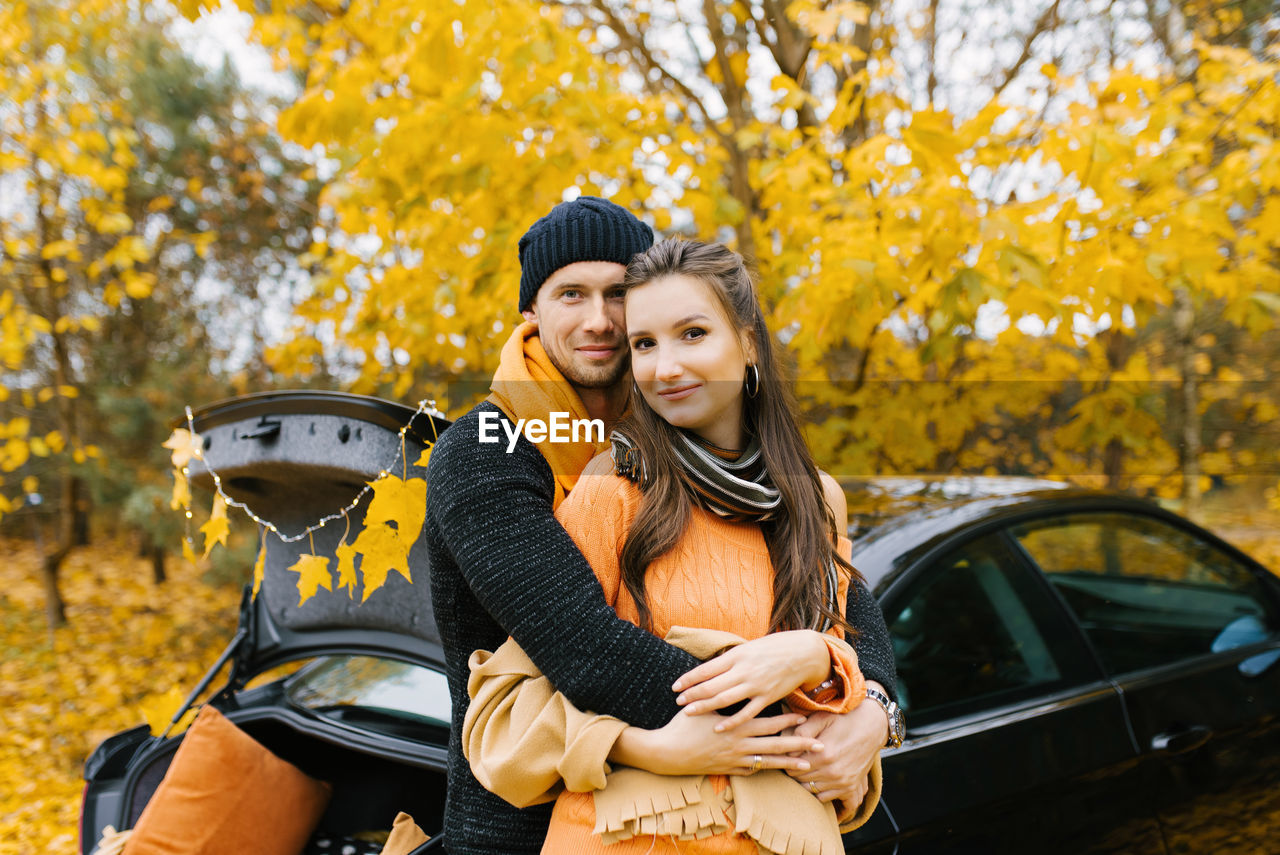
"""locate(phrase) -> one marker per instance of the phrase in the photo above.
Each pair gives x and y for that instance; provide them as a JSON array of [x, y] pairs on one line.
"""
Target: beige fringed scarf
[[526, 743]]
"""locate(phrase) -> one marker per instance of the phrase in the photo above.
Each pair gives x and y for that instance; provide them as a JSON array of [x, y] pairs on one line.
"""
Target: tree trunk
[[157, 565], [1118, 348], [79, 512], [1189, 441], [55, 608], [1113, 463]]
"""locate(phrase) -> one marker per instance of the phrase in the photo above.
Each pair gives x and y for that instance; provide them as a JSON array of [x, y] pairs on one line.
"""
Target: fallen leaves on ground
[[130, 654]]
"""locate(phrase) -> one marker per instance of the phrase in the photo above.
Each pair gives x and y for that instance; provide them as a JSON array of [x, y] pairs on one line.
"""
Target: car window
[[1146, 592], [348, 685], [975, 630]]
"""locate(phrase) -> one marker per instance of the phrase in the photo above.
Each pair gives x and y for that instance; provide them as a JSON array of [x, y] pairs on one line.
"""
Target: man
[[502, 565]]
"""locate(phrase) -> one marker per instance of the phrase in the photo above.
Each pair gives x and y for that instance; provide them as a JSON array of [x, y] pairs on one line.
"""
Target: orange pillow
[[224, 792]]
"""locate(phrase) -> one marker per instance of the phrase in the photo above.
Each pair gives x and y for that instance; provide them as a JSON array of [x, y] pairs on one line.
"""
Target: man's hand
[[850, 745]]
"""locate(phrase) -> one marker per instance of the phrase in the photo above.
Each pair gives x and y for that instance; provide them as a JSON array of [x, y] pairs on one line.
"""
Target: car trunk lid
[[295, 459]]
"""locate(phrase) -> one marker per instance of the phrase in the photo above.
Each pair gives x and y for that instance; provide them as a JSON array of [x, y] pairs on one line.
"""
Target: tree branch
[[931, 39], [1047, 21], [635, 45], [733, 91]]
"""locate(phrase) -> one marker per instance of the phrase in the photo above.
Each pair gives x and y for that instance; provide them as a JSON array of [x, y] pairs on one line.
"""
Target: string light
[[424, 406]]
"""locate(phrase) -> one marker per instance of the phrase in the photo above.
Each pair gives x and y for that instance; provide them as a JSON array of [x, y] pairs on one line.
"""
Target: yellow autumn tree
[[67, 242], [973, 268], [128, 173]]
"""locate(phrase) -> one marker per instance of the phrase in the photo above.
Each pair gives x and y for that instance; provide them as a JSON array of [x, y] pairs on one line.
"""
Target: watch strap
[[897, 730]]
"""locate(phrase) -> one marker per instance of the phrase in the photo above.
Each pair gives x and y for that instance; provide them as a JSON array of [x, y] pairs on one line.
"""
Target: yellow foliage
[[62, 693], [158, 710]]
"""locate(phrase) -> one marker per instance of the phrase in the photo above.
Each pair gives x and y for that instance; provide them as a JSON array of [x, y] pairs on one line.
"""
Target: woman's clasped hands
[[693, 745], [700, 741], [760, 672]]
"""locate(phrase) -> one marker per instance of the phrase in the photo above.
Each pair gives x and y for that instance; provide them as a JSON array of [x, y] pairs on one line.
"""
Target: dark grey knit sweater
[[502, 565]]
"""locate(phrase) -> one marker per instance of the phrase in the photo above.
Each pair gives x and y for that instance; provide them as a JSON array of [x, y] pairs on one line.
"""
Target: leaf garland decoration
[[392, 525]]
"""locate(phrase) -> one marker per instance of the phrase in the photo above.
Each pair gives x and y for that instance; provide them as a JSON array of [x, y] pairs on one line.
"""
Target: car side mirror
[[1241, 632], [1256, 666]]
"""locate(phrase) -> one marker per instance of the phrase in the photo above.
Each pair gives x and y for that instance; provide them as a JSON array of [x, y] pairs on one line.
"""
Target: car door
[[1016, 742], [1189, 632]]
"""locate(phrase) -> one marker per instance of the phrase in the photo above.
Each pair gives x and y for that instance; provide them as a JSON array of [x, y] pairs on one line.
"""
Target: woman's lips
[[678, 393]]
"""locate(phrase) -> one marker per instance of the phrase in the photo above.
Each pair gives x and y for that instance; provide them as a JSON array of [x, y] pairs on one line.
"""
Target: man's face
[[579, 314]]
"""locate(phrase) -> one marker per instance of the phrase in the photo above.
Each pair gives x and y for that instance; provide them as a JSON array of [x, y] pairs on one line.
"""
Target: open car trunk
[[295, 459], [368, 790]]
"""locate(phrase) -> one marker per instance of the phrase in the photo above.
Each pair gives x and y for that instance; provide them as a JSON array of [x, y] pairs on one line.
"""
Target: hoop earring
[[751, 383]]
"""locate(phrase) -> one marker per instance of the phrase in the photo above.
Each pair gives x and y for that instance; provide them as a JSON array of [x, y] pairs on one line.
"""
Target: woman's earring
[[752, 381]]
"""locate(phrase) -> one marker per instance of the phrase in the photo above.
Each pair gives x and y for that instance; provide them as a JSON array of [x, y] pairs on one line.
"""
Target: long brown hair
[[801, 535]]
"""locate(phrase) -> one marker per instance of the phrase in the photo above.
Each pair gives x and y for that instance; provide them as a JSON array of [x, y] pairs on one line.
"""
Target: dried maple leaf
[[217, 528], [401, 502], [183, 444], [382, 550], [181, 491], [347, 577], [313, 574]]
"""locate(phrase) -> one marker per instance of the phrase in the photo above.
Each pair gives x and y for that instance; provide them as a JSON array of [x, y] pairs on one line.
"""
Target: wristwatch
[[897, 721]]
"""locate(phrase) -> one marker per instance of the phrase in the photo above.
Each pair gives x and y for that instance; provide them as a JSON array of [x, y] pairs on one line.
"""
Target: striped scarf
[[733, 485]]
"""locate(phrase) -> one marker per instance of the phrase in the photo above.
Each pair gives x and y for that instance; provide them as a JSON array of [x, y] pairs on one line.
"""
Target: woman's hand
[[693, 745], [765, 670]]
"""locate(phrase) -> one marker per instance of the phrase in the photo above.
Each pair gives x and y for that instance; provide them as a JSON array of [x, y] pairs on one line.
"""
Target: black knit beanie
[[587, 229]]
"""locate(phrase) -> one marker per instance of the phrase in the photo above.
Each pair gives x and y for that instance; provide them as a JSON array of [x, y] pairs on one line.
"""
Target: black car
[[1081, 672]]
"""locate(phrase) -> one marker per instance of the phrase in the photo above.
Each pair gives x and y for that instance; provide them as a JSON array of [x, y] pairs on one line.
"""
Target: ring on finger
[[813, 787], [757, 762]]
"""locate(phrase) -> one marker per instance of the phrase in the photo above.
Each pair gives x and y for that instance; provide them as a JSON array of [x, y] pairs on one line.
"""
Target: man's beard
[[594, 376]]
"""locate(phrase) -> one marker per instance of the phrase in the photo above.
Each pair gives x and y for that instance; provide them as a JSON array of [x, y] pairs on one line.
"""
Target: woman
[[708, 513]]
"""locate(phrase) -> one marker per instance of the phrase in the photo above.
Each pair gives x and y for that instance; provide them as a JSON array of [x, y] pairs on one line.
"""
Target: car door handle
[[1181, 741]]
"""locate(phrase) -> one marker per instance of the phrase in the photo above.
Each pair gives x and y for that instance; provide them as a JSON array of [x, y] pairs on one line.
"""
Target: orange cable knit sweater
[[718, 576]]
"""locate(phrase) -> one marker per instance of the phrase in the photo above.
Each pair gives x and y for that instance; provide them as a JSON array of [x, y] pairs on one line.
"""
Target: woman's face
[[688, 358]]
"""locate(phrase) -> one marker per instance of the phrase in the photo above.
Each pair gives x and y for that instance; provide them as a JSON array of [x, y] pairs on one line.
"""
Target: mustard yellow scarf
[[528, 386]]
